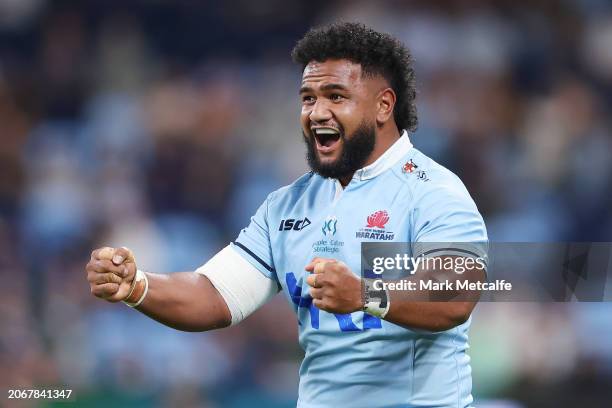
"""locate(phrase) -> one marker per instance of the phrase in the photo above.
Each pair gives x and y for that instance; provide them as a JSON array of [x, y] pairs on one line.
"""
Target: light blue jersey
[[356, 359]]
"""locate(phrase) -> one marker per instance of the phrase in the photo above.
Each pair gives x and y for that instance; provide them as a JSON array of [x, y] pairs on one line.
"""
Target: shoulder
[[442, 209], [428, 180], [304, 184]]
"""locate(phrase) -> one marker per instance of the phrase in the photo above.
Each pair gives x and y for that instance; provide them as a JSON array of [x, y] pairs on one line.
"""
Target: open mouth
[[326, 138]]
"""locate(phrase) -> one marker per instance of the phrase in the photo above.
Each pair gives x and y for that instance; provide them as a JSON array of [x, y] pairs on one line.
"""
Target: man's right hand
[[110, 273]]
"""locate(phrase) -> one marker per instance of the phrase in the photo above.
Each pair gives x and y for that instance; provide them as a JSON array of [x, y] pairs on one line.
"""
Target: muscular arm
[[430, 316], [435, 310], [336, 289], [185, 301], [223, 291]]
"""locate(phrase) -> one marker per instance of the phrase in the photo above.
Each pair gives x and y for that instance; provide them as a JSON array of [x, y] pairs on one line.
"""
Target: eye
[[308, 99], [336, 97]]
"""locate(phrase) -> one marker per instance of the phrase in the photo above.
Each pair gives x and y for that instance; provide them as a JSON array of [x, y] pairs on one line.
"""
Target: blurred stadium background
[[162, 125]]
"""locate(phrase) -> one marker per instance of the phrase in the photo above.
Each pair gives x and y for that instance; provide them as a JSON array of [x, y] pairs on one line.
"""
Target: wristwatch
[[375, 302]]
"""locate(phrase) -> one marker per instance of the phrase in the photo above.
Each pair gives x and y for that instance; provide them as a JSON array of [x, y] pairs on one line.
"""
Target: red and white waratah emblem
[[378, 219]]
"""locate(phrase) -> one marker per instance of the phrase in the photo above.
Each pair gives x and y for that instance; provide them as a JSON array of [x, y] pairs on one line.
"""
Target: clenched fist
[[333, 287], [110, 273]]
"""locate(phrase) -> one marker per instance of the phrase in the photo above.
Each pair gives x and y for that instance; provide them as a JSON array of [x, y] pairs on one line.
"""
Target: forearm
[[185, 301], [432, 299], [430, 316], [335, 289]]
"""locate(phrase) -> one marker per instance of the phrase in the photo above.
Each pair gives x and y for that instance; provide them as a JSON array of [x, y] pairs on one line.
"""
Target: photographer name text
[[432, 285]]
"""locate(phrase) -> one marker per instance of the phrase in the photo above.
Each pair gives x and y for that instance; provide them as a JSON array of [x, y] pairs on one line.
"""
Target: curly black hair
[[377, 53]]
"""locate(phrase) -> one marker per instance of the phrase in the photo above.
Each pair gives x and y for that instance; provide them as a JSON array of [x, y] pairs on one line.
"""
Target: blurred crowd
[[163, 125]]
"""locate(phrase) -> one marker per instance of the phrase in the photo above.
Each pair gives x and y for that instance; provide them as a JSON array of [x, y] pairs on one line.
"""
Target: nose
[[320, 112]]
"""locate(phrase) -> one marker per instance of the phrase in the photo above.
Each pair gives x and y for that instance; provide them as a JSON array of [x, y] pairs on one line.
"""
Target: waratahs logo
[[378, 219], [375, 228]]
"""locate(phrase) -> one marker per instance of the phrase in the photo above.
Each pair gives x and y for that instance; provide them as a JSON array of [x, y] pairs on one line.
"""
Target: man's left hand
[[333, 287]]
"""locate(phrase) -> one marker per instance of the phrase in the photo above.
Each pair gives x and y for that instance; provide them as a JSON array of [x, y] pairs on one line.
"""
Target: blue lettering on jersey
[[295, 292], [345, 321]]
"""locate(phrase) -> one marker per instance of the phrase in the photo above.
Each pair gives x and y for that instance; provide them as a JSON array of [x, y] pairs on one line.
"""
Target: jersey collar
[[391, 156]]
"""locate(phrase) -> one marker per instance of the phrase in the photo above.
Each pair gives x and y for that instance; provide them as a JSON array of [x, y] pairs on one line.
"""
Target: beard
[[355, 152]]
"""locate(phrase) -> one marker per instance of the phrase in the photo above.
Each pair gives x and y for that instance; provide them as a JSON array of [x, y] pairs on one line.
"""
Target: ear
[[385, 103]]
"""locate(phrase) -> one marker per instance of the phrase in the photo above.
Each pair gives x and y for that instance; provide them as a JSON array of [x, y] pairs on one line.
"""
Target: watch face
[[371, 295], [375, 301], [366, 293]]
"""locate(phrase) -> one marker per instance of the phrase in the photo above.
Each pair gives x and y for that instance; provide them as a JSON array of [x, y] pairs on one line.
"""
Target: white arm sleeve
[[241, 285]]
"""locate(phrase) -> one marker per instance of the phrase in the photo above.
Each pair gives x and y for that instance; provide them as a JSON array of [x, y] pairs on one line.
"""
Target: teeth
[[326, 131]]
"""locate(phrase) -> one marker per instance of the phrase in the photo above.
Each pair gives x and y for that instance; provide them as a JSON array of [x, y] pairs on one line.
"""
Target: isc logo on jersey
[[293, 224]]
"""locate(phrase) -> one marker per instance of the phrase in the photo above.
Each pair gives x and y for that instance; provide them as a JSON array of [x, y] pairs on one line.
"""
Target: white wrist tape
[[241, 285], [140, 275]]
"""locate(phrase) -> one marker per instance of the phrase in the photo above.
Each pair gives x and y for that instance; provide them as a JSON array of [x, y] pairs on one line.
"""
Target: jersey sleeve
[[447, 222], [253, 242]]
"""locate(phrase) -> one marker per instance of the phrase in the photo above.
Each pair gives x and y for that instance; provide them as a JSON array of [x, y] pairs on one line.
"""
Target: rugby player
[[368, 184]]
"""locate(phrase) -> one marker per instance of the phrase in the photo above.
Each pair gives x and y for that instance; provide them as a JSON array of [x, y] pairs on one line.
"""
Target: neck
[[345, 180], [385, 137]]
